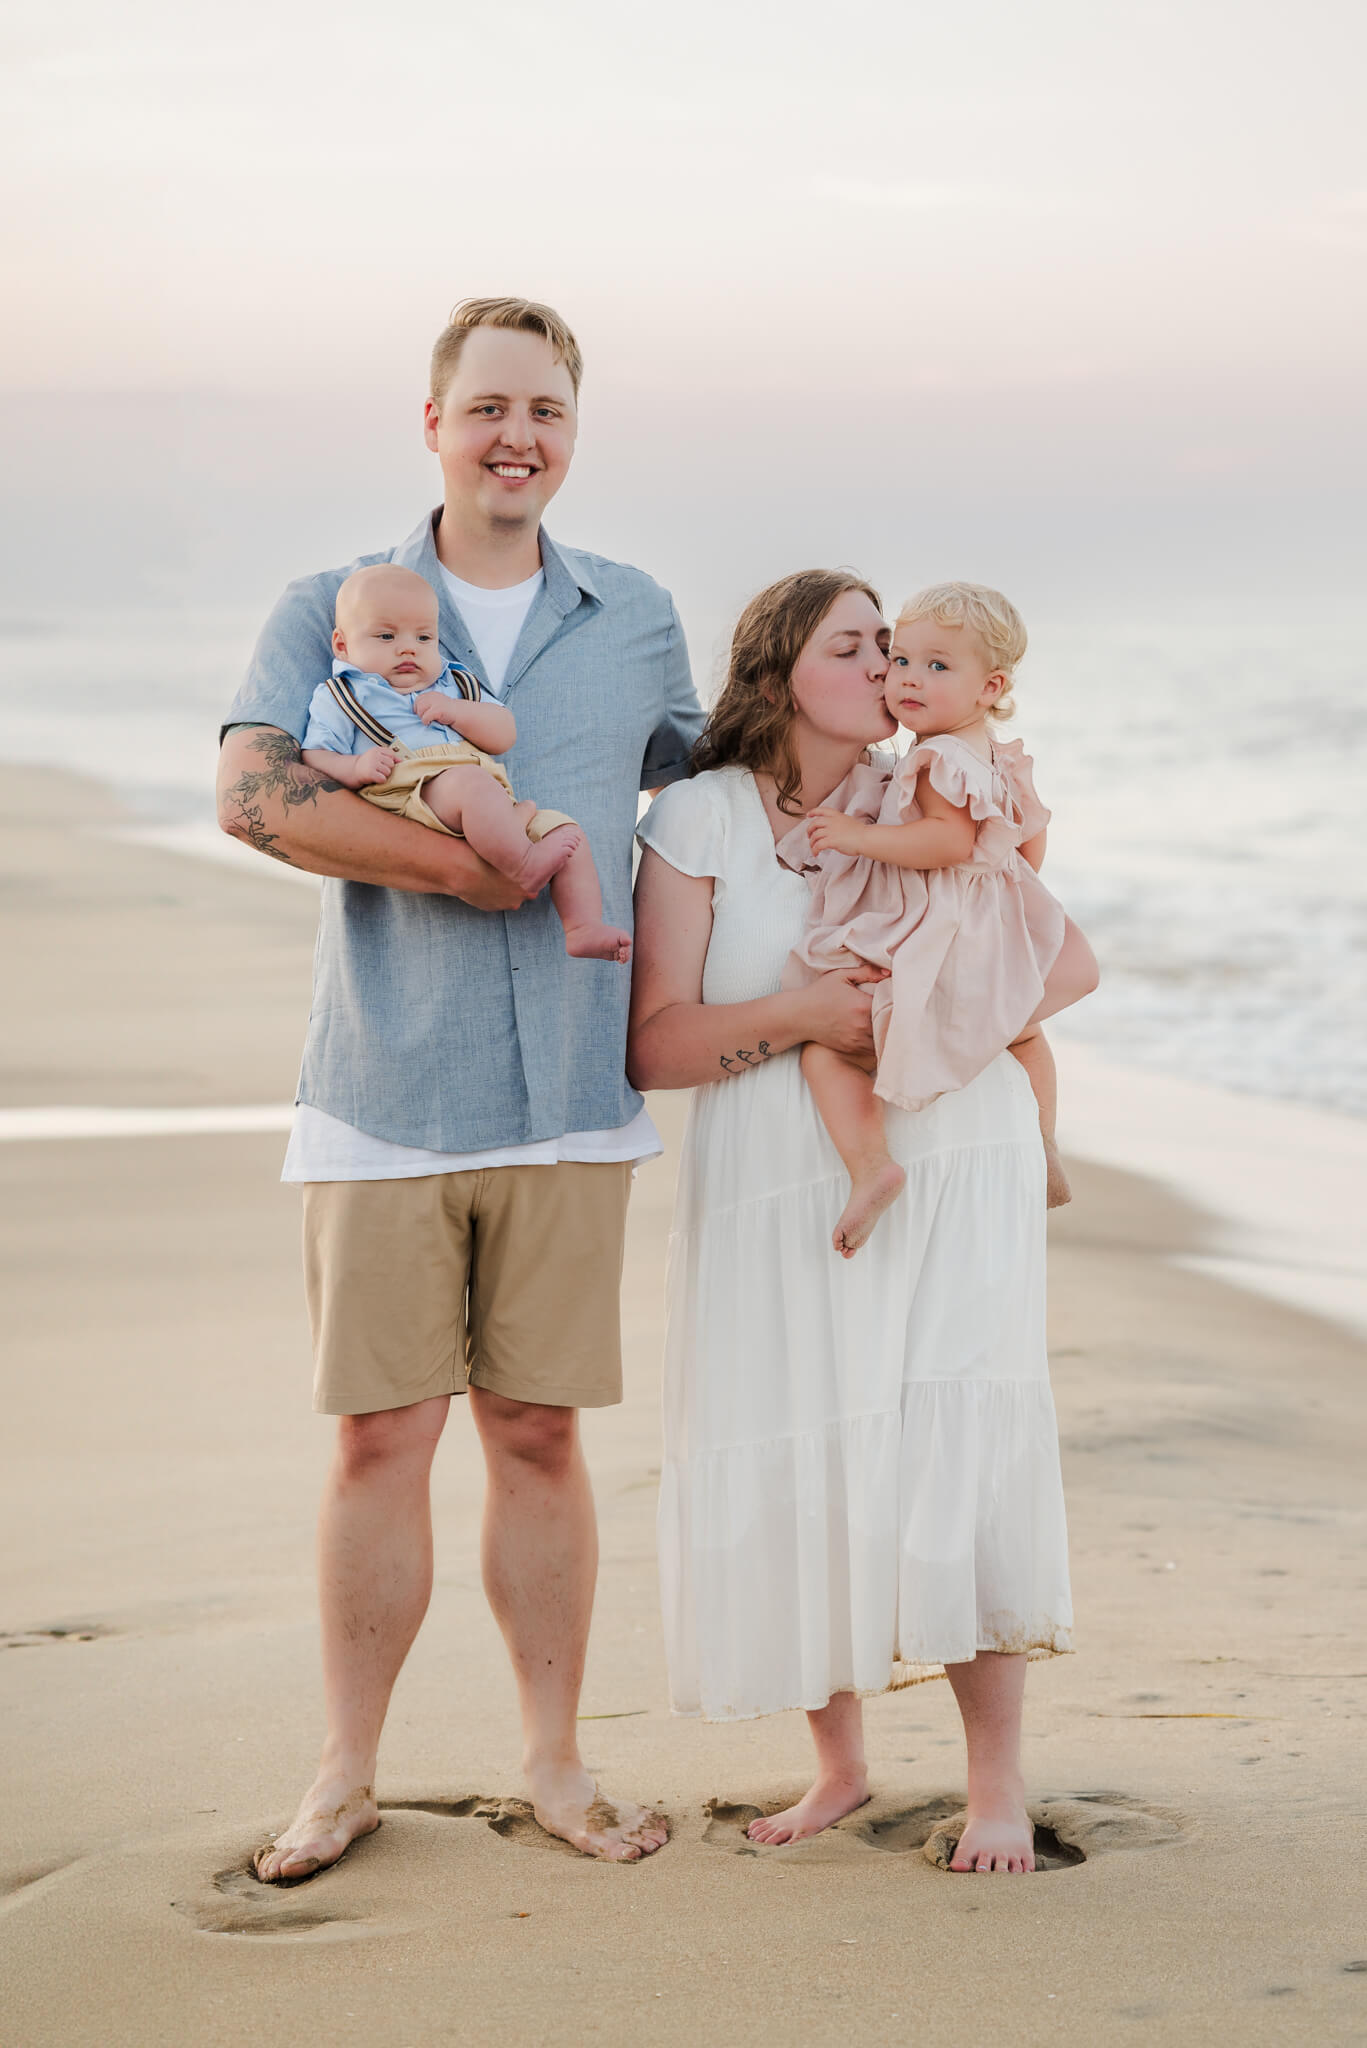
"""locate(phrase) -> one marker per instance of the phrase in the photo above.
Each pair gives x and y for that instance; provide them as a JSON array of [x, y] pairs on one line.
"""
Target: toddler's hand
[[832, 832], [376, 764], [435, 708]]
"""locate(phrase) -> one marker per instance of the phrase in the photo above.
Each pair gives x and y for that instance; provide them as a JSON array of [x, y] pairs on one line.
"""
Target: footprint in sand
[[512, 1819], [1071, 1830], [1068, 1831], [241, 1904]]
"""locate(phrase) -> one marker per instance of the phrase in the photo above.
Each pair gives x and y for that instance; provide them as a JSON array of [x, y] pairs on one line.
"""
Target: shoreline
[[1279, 1183]]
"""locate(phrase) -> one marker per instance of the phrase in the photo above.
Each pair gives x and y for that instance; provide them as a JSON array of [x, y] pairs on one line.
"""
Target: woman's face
[[839, 677]]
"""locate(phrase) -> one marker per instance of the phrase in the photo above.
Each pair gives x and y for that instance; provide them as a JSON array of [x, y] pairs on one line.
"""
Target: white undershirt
[[494, 618], [322, 1147]]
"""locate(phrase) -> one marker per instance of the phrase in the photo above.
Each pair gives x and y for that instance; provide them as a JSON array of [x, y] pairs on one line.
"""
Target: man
[[465, 1131]]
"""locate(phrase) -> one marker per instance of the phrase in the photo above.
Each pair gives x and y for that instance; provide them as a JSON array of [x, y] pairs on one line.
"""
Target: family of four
[[845, 954]]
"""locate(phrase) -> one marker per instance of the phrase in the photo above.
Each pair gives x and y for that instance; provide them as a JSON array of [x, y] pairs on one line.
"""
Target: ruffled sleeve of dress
[[963, 779], [1018, 773], [686, 825]]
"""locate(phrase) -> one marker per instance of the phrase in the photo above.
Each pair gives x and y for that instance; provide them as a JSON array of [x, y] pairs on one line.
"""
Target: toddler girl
[[931, 873]]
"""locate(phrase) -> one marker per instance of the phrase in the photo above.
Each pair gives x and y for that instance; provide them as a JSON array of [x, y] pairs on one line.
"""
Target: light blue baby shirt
[[330, 727]]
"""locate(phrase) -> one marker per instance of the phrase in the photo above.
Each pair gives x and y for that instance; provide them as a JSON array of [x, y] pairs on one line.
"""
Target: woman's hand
[[836, 1009]]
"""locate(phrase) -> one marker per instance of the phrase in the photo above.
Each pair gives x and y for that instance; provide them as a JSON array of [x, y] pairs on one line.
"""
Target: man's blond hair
[[995, 620], [523, 316]]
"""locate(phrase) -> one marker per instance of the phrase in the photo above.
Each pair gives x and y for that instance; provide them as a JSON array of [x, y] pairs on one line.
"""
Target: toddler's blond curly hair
[[985, 612]]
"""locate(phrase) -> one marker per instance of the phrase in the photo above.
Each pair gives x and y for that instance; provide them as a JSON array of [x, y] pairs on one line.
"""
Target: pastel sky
[[1072, 284]]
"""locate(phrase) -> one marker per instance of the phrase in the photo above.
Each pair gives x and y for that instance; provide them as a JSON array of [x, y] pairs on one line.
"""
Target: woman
[[861, 1478]]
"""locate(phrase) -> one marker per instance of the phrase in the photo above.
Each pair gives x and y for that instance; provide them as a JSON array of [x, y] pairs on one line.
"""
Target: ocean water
[[1208, 787]]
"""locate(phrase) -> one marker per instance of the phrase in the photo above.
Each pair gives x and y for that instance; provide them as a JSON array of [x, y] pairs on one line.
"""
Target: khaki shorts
[[403, 790], [506, 1278]]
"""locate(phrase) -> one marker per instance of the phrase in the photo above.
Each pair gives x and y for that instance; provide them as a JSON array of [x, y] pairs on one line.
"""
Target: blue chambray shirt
[[439, 1025]]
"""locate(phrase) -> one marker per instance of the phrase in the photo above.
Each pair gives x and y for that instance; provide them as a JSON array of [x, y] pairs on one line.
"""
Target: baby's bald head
[[386, 624], [384, 586]]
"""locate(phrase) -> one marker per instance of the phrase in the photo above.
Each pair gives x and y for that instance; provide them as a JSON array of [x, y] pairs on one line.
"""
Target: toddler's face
[[940, 678], [395, 638]]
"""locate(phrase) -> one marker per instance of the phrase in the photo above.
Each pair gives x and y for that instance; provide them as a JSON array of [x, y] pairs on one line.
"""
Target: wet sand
[[161, 1468]]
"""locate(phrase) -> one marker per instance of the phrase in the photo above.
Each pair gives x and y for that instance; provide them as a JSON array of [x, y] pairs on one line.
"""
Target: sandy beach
[[1201, 1750]]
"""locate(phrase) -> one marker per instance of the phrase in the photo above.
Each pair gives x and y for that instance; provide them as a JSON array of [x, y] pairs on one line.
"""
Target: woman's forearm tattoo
[[283, 776], [733, 1062]]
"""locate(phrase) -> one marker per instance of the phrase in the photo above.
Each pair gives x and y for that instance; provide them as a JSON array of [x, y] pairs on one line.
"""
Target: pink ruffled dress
[[969, 947]]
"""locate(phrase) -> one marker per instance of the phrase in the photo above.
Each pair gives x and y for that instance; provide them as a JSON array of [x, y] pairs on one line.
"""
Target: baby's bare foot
[[829, 1800], [870, 1195], [597, 942], [545, 857], [1057, 1192], [328, 1822], [999, 1839], [567, 1803]]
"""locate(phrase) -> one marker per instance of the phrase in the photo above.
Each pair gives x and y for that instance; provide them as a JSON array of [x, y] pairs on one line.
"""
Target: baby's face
[[394, 636], [940, 678]]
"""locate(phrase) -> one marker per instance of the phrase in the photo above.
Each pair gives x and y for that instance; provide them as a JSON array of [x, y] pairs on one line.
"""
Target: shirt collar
[[565, 584]]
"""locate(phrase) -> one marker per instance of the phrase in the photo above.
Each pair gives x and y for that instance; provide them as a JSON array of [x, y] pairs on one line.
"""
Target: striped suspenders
[[367, 722]]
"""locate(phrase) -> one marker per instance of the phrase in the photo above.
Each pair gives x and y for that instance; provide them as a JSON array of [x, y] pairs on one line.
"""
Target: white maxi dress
[[861, 1476]]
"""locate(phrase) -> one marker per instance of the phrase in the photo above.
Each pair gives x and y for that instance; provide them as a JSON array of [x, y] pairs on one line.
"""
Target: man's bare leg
[[847, 1105], [374, 1581], [991, 1695], [842, 1782], [540, 1555]]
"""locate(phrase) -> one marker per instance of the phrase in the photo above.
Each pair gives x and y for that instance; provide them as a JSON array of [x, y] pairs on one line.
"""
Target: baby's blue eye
[[937, 664], [384, 636]]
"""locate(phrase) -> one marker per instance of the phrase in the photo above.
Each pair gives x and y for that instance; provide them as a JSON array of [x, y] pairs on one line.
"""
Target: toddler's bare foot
[[998, 1836], [829, 1800], [546, 857], [1057, 1192], [870, 1195], [331, 1817], [597, 942]]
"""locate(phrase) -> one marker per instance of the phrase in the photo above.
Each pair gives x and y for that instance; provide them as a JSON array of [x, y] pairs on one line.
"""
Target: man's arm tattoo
[[282, 775], [733, 1062]]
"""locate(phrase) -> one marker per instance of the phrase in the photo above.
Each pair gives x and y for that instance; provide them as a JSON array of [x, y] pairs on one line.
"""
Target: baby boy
[[394, 724]]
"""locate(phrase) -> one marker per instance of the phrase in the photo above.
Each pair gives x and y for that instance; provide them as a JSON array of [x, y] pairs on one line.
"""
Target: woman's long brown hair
[[751, 722]]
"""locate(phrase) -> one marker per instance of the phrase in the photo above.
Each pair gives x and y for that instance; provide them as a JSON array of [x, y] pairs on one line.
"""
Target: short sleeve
[[1019, 771], [328, 726], [681, 719], [685, 826]]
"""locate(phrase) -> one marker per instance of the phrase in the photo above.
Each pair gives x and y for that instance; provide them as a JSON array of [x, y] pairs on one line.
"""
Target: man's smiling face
[[504, 430]]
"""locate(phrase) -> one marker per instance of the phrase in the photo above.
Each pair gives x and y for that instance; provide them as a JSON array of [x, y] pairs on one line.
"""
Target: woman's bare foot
[[545, 857], [567, 1803], [330, 1819], [597, 942], [870, 1195], [1057, 1192], [829, 1800], [998, 1837]]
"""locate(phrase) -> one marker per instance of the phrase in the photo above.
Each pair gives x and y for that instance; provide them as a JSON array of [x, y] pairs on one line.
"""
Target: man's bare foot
[[870, 1195], [545, 857], [328, 1822], [597, 942], [1057, 1192], [567, 1803], [829, 1800], [999, 1838]]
